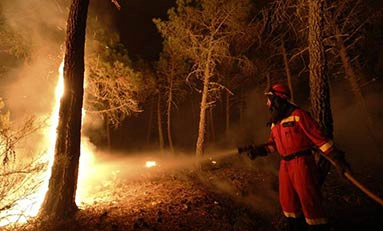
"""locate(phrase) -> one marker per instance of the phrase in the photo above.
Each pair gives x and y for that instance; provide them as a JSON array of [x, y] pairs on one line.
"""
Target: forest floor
[[230, 194]]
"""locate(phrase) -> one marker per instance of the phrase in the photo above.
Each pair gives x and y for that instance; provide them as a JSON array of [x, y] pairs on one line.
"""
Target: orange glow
[[28, 207], [150, 164], [96, 177]]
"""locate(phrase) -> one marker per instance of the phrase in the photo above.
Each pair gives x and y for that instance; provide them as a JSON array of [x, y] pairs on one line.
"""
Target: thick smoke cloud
[[28, 81], [41, 27]]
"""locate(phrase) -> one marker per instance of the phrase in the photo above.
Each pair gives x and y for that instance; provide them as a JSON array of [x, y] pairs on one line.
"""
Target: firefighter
[[293, 135]]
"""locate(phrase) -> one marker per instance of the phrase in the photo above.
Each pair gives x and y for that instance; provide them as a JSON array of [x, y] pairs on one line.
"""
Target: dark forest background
[[31, 51]]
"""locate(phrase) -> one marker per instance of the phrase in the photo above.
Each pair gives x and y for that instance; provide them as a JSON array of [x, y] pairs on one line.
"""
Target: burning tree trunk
[[60, 199], [319, 88]]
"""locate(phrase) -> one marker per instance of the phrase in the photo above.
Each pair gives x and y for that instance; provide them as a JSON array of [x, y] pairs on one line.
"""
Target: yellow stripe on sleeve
[[326, 146]]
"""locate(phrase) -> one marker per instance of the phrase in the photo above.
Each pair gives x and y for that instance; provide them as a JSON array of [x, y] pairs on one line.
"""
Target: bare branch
[[116, 3], [298, 54]]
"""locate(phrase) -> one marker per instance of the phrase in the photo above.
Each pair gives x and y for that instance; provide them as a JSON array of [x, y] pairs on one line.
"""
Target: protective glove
[[253, 151], [341, 165]]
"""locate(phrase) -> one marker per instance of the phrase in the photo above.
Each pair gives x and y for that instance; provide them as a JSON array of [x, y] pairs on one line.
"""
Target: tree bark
[[355, 88], [268, 81], [159, 124], [287, 68], [202, 120], [107, 130], [150, 122], [59, 200], [211, 125], [227, 112], [319, 87], [349, 71], [169, 111], [242, 109], [204, 106]]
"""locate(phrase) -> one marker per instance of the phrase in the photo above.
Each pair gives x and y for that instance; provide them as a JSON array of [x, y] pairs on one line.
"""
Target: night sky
[[137, 29]]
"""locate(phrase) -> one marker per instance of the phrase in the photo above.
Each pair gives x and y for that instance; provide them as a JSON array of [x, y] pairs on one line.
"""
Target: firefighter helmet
[[279, 89]]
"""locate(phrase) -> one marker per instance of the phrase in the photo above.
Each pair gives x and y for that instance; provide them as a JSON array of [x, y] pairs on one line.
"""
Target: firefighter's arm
[[254, 151]]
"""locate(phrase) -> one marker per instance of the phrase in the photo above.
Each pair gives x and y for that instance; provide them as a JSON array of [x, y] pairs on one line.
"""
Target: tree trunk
[[287, 68], [159, 123], [211, 125], [349, 71], [194, 114], [59, 200], [107, 130], [150, 123], [242, 109], [204, 106], [359, 71], [202, 119], [352, 78], [319, 87], [268, 81], [227, 112], [169, 111]]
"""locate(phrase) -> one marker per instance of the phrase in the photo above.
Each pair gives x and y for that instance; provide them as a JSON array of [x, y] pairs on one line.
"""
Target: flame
[[87, 159], [150, 164], [28, 207]]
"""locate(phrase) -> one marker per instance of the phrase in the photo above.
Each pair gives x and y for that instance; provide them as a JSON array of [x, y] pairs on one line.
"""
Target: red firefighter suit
[[299, 191]]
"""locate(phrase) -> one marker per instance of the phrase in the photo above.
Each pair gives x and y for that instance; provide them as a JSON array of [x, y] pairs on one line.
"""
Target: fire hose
[[354, 181], [347, 174]]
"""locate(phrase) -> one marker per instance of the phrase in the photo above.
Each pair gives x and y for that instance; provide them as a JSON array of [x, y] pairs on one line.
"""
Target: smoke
[[36, 21], [28, 82], [257, 116], [357, 129], [101, 172], [30, 85], [28, 89], [108, 170]]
